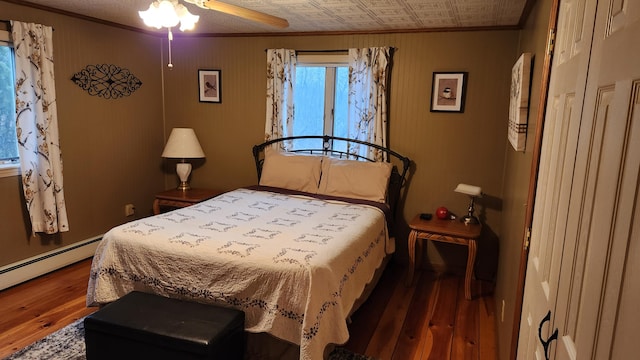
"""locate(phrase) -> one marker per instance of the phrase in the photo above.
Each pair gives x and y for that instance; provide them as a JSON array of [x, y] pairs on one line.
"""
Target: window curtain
[[37, 128], [281, 71], [369, 71]]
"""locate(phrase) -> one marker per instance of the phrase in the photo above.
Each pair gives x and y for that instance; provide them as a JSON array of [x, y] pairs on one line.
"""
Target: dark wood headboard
[[396, 182]]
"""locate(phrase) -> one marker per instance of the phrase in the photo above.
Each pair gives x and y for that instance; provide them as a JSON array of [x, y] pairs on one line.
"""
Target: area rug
[[68, 344]]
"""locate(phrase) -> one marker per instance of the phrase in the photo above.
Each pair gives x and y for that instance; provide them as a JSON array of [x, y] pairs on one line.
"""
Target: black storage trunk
[[146, 326]]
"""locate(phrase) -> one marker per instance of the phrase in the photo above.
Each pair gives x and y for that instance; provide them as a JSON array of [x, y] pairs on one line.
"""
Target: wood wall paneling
[[111, 148], [447, 148]]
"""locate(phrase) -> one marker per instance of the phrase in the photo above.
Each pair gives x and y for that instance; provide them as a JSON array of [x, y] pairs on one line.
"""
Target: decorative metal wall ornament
[[107, 81]]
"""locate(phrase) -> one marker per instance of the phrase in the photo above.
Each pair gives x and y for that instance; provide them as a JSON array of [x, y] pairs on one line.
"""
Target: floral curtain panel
[[37, 128], [369, 71], [281, 70]]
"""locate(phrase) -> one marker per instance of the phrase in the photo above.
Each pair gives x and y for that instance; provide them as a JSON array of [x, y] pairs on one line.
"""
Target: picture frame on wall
[[448, 91], [209, 85], [519, 102]]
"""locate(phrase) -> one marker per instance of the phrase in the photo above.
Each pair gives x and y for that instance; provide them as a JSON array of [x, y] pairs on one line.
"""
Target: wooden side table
[[179, 198], [450, 231]]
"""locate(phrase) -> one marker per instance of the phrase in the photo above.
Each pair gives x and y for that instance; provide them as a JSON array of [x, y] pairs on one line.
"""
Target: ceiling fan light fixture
[[168, 13], [187, 20]]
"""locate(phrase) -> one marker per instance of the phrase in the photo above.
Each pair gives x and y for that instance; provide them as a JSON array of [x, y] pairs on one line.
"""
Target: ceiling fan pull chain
[[170, 64]]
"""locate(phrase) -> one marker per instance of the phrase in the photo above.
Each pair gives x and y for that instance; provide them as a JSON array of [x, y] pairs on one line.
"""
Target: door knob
[[554, 336]]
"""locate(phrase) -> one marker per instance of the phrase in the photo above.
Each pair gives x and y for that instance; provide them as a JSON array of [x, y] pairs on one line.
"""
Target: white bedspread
[[295, 265]]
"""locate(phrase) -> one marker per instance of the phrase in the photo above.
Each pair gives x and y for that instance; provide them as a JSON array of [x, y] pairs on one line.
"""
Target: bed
[[297, 253]]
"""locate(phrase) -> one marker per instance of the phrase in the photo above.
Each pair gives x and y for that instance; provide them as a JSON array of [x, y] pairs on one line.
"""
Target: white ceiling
[[318, 15]]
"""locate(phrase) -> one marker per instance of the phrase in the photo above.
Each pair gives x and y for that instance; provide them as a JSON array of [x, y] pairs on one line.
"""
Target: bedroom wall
[[110, 148], [447, 148], [533, 39]]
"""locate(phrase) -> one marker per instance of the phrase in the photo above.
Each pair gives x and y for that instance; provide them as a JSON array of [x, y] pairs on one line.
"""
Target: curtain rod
[[8, 22], [326, 51], [323, 51], [318, 51]]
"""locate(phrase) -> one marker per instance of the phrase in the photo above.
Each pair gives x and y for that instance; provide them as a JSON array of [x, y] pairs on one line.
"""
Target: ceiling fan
[[241, 12]]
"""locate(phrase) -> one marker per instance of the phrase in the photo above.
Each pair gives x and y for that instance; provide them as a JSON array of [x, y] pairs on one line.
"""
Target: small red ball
[[442, 213]]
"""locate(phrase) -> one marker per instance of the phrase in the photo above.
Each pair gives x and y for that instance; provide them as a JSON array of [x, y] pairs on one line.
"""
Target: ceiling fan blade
[[247, 13]]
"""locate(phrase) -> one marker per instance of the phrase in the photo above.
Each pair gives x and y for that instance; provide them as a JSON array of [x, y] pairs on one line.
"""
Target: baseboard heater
[[35, 266]]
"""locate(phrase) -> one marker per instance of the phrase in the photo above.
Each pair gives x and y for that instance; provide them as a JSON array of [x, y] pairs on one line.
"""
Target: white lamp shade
[[469, 190], [182, 144]]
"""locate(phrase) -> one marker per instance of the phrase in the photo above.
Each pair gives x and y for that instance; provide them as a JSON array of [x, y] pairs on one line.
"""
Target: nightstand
[[178, 198], [450, 231]]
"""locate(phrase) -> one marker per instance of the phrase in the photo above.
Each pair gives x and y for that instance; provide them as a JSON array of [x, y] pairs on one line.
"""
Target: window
[[321, 97], [8, 140]]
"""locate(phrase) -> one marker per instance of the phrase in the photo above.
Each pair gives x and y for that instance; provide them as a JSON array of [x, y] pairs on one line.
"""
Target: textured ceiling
[[318, 15]]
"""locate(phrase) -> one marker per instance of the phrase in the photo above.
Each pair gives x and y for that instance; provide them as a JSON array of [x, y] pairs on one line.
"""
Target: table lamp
[[183, 144], [473, 192]]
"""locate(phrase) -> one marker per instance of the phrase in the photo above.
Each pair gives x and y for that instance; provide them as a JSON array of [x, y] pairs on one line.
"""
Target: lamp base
[[183, 169], [184, 186], [470, 220]]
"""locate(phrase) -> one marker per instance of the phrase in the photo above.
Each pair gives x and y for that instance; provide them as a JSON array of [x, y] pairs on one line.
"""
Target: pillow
[[291, 171], [355, 179]]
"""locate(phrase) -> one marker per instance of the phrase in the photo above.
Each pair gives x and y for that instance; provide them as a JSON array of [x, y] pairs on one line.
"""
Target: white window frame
[[329, 62], [12, 168]]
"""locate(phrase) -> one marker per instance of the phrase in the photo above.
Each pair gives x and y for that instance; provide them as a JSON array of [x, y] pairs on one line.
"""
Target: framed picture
[[519, 102], [448, 91], [209, 86]]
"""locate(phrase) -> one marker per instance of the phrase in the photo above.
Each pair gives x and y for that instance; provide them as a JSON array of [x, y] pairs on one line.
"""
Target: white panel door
[[555, 178], [585, 228], [594, 311]]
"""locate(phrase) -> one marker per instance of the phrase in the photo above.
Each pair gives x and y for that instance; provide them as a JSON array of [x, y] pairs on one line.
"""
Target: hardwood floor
[[36, 308], [430, 320]]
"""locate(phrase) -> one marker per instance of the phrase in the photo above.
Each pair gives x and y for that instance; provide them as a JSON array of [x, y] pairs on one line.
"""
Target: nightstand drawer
[[175, 198]]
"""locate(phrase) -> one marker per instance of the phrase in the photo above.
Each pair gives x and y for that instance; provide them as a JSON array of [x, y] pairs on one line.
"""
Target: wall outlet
[[129, 210], [502, 312]]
